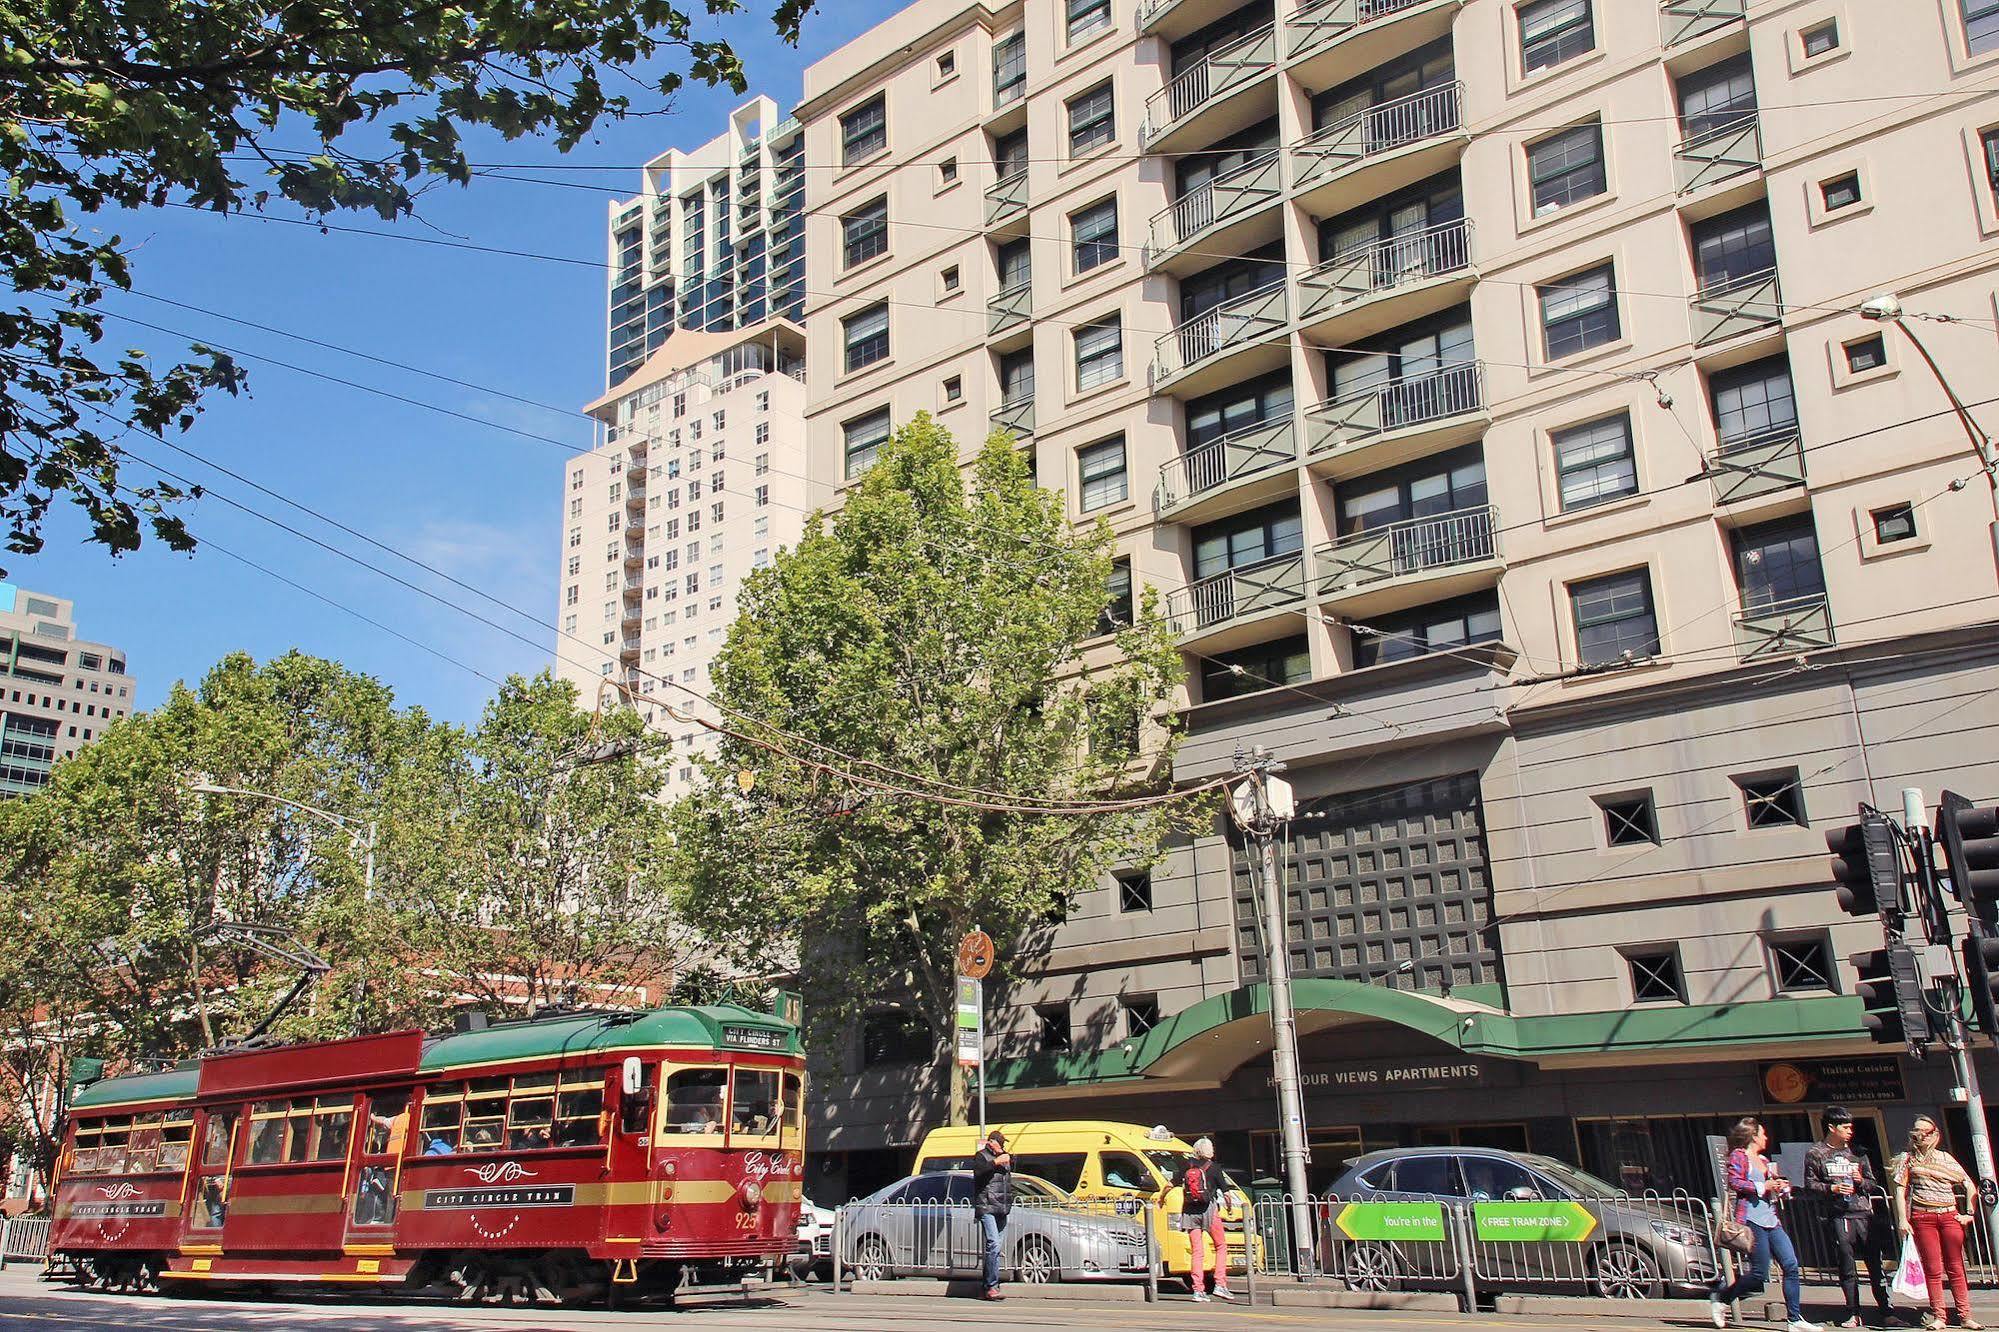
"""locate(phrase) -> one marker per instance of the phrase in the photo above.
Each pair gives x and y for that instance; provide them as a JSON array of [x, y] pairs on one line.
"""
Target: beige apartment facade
[[58, 692], [1482, 385]]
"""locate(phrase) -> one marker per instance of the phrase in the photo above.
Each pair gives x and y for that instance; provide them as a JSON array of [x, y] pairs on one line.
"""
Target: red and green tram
[[545, 1160]]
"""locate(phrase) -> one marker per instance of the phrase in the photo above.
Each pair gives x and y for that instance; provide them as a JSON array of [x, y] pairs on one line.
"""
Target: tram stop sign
[[975, 955]]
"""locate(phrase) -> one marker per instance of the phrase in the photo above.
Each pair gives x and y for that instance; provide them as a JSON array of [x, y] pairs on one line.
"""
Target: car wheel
[[1626, 1272], [1372, 1267], [1035, 1262], [872, 1261]]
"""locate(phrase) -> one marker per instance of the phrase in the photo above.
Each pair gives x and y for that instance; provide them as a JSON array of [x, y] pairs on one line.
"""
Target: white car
[[814, 1254]]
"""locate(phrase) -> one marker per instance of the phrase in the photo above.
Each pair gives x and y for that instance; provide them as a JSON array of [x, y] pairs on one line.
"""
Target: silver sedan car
[[924, 1226]]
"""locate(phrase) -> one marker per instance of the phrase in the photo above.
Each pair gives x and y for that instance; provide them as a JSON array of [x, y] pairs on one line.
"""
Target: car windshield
[[1040, 1190], [1166, 1163], [1569, 1177]]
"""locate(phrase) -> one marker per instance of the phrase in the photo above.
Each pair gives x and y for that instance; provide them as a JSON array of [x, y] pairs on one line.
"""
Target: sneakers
[[1719, 1312], [1200, 1297], [992, 1293], [1802, 1325], [1930, 1321], [1851, 1320], [1224, 1293]]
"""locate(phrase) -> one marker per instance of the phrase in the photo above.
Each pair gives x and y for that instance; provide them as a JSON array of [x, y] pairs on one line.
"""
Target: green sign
[[1407, 1222], [1532, 1222]]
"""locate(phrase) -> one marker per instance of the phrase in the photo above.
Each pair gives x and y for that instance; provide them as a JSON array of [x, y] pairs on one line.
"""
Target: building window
[[1577, 313], [947, 64], [1629, 820], [1897, 522], [1801, 964], [1566, 167], [1141, 1014], [1092, 119], [1774, 800], [866, 337], [1101, 474], [950, 278], [894, 1037], [947, 172], [1086, 16], [864, 131], [1552, 31], [864, 232], [1594, 463], [1134, 891], [954, 388], [1093, 234], [1054, 1021], [863, 438], [1615, 620], [1440, 626], [1841, 191], [1870, 353], [1288, 661], [1821, 38], [1655, 976], [1099, 353], [1117, 612], [1990, 139], [1981, 25], [1009, 68]]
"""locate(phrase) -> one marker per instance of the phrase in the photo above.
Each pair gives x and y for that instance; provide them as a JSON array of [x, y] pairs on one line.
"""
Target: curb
[[1075, 1292]]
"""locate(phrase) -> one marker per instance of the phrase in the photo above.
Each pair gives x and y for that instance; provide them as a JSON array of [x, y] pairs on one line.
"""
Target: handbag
[[1732, 1234]]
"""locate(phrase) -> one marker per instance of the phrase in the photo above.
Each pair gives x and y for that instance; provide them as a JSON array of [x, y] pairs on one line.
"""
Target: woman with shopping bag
[[1757, 1185], [1927, 1182]]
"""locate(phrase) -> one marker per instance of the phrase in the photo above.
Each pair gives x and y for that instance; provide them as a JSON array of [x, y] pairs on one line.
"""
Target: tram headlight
[[752, 1193]]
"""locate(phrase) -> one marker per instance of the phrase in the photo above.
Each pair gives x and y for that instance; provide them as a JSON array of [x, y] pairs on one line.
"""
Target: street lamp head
[[1884, 308], [207, 788]]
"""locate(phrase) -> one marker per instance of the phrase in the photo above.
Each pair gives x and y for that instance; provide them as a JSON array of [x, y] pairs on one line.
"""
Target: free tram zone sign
[[1540, 1222]]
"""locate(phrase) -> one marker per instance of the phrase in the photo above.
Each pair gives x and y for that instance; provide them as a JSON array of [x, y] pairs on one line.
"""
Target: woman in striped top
[[1927, 1183]]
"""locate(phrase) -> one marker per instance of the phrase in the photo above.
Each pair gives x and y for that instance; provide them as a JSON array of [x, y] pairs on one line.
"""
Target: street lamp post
[[362, 834]]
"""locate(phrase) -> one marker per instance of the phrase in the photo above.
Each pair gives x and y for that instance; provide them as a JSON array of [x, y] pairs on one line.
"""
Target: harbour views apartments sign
[[1393, 1075]]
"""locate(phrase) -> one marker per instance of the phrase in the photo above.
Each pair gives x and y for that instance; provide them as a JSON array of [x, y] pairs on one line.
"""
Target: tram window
[[694, 1100], [579, 1113], [215, 1146], [298, 1132], [142, 1148], [531, 1121], [756, 1101], [267, 1132], [485, 1114], [388, 1125], [443, 1111], [176, 1134], [332, 1128], [794, 1102]]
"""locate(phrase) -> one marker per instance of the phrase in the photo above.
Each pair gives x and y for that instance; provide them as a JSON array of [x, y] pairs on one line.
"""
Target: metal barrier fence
[[1041, 1241], [1808, 1219], [24, 1239]]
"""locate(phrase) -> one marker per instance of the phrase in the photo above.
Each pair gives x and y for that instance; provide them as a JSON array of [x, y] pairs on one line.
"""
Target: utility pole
[[1261, 803]]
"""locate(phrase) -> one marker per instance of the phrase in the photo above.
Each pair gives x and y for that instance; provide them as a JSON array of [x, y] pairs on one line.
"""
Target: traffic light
[[1981, 979], [1970, 839], [1891, 996], [1867, 864]]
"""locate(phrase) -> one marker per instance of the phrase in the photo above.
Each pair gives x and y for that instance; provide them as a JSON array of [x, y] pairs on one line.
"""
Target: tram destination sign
[[143, 1207], [754, 1038], [531, 1195]]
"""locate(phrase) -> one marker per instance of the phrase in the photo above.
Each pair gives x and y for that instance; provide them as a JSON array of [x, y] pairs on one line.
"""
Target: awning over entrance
[[1204, 1044]]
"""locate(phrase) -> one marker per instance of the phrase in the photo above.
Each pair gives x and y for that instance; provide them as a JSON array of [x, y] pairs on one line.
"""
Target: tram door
[[378, 1168], [629, 1157], [210, 1205]]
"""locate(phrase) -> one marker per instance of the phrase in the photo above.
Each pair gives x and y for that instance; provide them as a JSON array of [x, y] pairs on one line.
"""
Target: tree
[[136, 104], [952, 634]]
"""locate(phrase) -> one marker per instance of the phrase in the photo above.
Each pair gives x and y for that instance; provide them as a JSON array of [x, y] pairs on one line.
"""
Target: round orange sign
[[975, 955]]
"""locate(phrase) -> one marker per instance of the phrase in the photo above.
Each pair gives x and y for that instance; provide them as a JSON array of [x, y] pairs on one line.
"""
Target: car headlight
[[1675, 1233]]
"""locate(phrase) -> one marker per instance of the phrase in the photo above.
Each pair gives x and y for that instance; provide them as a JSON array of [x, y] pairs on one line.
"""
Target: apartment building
[[1482, 384], [57, 692], [698, 477], [713, 241]]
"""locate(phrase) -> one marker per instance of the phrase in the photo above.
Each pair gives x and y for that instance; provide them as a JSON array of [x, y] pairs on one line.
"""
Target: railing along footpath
[[24, 1239], [1045, 1241]]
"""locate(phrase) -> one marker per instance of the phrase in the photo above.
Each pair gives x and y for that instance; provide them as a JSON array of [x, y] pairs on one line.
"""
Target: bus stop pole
[[1150, 1216]]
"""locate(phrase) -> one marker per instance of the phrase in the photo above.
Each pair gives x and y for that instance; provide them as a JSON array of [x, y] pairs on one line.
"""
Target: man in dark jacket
[[992, 1199], [1842, 1182]]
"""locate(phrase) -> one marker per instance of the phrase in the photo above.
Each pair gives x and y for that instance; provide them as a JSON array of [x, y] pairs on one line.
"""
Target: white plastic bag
[[1909, 1272]]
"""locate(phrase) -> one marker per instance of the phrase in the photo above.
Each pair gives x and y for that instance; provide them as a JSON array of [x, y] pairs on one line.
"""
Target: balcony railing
[[1352, 418], [1225, 68], [634, 584], [1323, 22], [1399, 261], [630, 644], [635, 555], [1684, 20], [1801, 624], [1758, 464], [1235, 593], [635, 496], [1253, 450], [1231, 194], [1719, 154], [1016, 416], [1738, 305], [1009, 306], [1379, 129], [1006, 197], [1255, 316], [1413, 546]]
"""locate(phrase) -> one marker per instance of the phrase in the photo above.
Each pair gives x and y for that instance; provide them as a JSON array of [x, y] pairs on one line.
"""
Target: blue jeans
[[991, 1226], [1771, 1242]]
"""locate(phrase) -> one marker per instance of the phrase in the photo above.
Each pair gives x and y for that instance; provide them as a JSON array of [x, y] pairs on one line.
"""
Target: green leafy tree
[[138, 104], [950, 632]]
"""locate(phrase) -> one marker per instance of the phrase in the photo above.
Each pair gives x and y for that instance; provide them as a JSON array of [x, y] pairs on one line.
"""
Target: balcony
[[1720, 154], [1233, 213], [1177, 18], [1329, 41], [1238, 338], [1390, 282], [1757, 465], [1240, 469], [635, 497], [1379, 150], [1684, 20], [634, 585], [1410, 562], [635, 554], [1006, 202], [629, 646], [1226, 610], [1010, 308], [1016, 417], [1740, 305], [1396, 421], [629, 618], [1202, 95], [1784, 628]]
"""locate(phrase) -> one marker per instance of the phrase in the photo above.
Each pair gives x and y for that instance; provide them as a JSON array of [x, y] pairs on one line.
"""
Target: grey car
[[1628, 1247], [924, 1226]]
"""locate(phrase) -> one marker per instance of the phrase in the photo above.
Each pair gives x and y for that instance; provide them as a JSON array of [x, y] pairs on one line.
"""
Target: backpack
[[1197, 1186]]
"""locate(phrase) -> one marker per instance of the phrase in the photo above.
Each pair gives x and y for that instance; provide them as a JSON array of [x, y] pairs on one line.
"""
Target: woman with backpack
[[1203, 1186]]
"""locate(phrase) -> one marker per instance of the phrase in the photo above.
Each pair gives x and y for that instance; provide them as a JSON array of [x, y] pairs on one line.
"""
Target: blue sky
[[464, 496]]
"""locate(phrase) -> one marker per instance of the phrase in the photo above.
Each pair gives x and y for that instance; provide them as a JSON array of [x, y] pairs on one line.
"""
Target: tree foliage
[[138, 104], [954, 633]]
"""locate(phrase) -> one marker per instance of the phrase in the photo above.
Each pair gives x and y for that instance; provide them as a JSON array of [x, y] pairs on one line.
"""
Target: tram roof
[[174, 1084]]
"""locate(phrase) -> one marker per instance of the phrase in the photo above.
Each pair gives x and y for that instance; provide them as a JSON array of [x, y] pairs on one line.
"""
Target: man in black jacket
[[992, 1199], [1842, 1182]]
